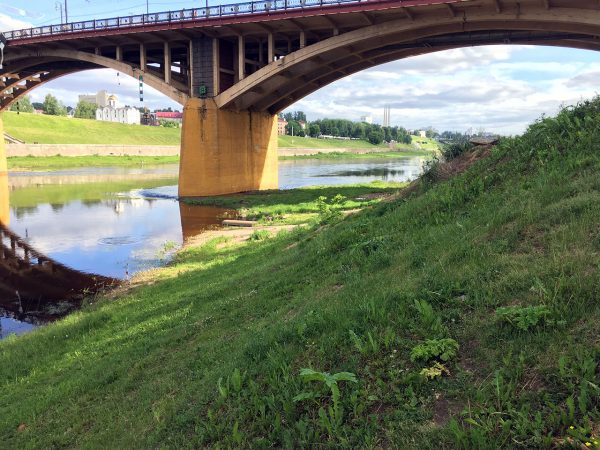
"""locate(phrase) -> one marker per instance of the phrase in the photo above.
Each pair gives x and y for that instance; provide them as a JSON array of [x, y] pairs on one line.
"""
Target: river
[[117, 221]]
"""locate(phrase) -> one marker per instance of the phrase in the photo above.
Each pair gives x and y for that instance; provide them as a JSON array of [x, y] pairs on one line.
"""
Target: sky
[[500, 89]]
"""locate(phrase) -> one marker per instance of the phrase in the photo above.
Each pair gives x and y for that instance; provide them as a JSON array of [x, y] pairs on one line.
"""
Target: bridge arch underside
[[28, 71], [277, 86]]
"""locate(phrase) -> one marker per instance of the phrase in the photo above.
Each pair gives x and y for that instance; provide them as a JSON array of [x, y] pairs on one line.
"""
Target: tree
[[53, 107], [85, 110], [38, 105], [294, 129], [314, 130], [299, 116], [376, 137], [22, 105]]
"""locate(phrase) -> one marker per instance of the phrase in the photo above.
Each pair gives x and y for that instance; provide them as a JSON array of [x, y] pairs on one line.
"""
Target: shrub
[[524, 318], [442, 349]]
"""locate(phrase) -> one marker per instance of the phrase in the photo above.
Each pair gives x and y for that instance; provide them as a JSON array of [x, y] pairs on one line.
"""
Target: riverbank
[[461, 315], [52, 163], [302, 205]]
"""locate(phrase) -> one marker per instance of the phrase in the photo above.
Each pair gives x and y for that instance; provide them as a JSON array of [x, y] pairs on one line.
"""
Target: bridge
[[234, 67]]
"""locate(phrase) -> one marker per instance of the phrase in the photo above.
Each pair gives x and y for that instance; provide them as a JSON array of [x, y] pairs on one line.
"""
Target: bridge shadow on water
[[36, 289]]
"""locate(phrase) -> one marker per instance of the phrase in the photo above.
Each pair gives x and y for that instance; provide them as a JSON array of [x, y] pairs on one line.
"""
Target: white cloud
[[68, 88], [7, 23], [499, 88]]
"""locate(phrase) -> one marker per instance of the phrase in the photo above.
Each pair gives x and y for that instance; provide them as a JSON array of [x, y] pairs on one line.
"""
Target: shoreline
[[58, 162]]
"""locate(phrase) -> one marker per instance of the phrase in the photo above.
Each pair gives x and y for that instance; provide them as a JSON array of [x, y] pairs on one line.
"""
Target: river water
[[117, 221]]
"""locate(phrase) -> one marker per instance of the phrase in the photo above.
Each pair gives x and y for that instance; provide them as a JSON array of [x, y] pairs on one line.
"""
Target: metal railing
[[257, 7]]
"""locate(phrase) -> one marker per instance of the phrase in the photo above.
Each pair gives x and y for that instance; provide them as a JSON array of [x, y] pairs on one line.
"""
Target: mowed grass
[[48, 163], [308, 142], [399, 305], [42, 129], [295, 206]]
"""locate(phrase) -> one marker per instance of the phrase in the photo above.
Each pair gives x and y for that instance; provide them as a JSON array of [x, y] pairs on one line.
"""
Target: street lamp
[[66, 13]]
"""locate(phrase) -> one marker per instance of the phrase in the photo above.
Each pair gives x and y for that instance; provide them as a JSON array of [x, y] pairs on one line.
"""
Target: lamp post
[[66, 13]]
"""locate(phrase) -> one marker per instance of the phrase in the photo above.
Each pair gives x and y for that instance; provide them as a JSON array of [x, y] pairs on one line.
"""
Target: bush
[[375, 137], [456, 148]]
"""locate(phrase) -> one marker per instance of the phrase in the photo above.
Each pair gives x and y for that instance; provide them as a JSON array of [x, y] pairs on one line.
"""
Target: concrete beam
[[216, 66], [167, 62], [241, 58]]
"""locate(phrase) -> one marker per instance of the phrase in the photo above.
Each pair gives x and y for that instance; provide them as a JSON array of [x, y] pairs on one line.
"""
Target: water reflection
[[117, 221], [4, 200]]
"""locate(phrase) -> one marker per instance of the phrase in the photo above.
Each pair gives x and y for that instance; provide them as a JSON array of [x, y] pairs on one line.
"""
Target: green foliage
[[330, 211], [165, 123], [85, 110], [459, 146], [438, 370], [314, 130], [259, 235], [332, 418], [524, 318], [375, 137], [442, 349], [53, 107], [141, 367], [46, 129], [22, 105]]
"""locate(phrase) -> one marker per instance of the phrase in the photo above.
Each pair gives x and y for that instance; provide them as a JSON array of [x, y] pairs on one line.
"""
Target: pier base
[[224, 152]]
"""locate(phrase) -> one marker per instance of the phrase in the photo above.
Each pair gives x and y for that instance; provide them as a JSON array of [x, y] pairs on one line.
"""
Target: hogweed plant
[[332, 419]]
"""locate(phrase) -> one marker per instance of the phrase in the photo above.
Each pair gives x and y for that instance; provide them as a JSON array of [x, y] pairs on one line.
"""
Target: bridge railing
[[256, 7]]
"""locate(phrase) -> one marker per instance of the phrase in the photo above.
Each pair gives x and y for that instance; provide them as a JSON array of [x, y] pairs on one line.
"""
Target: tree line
[[373, 133]]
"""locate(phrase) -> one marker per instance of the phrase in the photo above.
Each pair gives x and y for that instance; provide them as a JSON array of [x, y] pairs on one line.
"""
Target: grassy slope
[[32, 128], [518, 228], [308, 142]]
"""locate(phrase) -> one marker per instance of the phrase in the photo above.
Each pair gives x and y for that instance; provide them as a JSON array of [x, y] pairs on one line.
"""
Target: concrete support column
[[216, 66], [223, 151], [241, 57], [4, 204], [271, 47], [190, 71], [167, 62], [143, 59], [302, 39], [261, 56], [119, 51]]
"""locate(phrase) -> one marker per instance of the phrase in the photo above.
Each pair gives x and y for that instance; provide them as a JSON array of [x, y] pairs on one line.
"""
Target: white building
[[100, 98], [113, 113], [367, 119]]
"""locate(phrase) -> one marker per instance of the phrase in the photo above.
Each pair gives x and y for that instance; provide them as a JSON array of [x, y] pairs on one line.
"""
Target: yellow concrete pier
[[223, 151], [4, 205]]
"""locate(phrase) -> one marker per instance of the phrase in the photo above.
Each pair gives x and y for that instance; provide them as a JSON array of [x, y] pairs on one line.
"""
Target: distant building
[[281, 124], [423, 133], [100, 98], [302, 124], [113, 113], [367, 119]]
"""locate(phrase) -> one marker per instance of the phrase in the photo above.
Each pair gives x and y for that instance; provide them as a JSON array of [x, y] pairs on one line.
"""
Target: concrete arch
[[300, 73], [31, 69]]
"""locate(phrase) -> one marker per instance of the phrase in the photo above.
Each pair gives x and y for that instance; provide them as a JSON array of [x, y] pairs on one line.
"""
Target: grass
[[47, 163], [37, 128], [401, 298], [295, 206], [308, 142]]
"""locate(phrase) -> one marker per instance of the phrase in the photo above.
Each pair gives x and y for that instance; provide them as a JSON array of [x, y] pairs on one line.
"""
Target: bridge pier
[[224, 152], [4, 205]]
